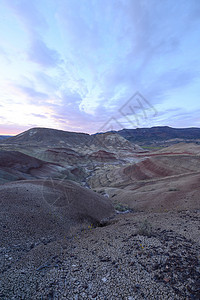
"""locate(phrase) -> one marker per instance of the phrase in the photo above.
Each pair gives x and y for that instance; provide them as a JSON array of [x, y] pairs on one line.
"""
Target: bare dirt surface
[[30, 209], [136, 256], [177, 193], [191, 148], [60, 240], [15, 165], [59, 152], [156, 183]]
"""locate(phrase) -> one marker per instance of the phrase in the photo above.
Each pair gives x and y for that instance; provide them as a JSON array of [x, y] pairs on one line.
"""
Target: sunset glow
[[72, 65]]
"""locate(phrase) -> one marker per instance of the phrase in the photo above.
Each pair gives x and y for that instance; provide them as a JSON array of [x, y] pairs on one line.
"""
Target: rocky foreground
[[132, 256], [59, 240]]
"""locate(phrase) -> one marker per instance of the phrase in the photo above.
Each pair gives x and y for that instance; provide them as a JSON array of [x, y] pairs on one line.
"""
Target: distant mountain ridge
[[3, 137], [47, 135], [141, 136], [60, 138], [159, 134]]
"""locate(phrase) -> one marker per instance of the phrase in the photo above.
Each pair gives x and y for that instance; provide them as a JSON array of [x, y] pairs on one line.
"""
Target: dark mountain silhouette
[[3, 137], [49, 136], [159, 133]]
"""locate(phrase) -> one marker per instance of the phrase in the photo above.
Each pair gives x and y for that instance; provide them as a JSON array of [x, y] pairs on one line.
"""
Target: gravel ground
[[128, 258]]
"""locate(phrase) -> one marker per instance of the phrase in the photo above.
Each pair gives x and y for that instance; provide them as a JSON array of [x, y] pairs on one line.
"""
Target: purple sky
[[74, 64]]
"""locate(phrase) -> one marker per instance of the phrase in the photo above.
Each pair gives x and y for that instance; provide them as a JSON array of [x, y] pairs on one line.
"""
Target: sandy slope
[[158, 182], [182, 147], [35, 209], [15, 165], [168, 194]]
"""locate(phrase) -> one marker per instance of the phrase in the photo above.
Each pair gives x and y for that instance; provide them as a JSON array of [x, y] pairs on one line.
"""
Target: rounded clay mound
[[35, 208]]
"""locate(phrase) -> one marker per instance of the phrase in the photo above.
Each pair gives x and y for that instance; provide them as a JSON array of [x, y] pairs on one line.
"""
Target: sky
[[96, 65]]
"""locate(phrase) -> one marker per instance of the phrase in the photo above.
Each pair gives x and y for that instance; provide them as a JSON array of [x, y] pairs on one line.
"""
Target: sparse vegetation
[[121, 207], [152, 147], [145, 228]]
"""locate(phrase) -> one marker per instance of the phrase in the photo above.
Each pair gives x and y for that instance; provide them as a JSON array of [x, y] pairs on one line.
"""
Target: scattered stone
[[166, 268]]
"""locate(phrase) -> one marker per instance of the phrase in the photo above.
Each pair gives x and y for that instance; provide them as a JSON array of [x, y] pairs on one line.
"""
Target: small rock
[[85, 286], [32, 245], [94, 295], [138, 286]]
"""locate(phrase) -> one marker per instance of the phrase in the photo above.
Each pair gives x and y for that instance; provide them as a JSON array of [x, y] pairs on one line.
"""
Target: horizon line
[[98, 132]]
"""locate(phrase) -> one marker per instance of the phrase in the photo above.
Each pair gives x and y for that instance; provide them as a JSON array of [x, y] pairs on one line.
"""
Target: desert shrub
[[173, 189], [145, 228], [121, 207]]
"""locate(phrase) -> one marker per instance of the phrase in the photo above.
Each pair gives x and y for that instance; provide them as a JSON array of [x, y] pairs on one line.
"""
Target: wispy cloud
[[43, 55], [28, 14], [39, 116], [84, 59], [31, 92]]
